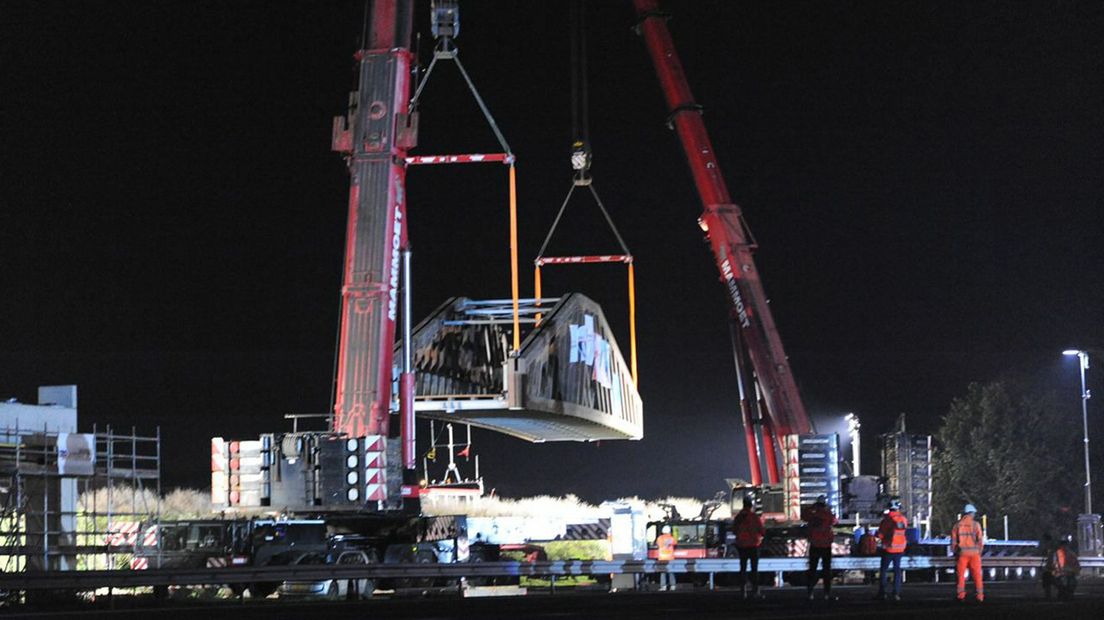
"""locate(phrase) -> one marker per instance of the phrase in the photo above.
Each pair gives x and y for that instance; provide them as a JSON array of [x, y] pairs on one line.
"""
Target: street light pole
[[1083, 359]]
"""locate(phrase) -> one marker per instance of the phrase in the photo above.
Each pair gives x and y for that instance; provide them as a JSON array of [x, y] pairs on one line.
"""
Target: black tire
[[368, 586], [478, 555], [398, 554], [424, 557]]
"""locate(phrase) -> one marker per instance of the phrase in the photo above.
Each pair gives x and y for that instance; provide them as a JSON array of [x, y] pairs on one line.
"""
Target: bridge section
[[568, 383]]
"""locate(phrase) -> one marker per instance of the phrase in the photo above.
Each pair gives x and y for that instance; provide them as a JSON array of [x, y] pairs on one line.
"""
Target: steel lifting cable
[[580, 163], [580, 97], [446, 49]]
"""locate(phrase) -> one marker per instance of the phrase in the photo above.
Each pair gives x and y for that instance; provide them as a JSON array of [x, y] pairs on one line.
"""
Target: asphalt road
[[1020, 599]]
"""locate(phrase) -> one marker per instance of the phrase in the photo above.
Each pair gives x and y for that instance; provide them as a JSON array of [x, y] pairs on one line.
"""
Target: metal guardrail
[[90, 580]]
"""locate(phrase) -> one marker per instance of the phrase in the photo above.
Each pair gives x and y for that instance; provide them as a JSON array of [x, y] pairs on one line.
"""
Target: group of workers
[[967, 543]]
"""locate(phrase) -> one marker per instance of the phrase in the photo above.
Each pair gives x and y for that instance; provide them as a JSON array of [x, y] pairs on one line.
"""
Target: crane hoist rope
[[445, 22], [581, 158]]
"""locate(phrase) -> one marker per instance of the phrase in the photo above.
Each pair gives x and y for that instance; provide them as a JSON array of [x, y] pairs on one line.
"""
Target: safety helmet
[[894, 504], [666, 529], [969, 509], [821, 500]]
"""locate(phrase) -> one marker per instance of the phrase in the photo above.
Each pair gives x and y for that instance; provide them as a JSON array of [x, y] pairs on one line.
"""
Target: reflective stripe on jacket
[[665, 548], [891, 532], [749, 529], [966, 536]]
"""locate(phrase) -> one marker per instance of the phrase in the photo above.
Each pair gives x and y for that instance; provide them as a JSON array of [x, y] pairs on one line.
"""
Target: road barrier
[[91, 580]]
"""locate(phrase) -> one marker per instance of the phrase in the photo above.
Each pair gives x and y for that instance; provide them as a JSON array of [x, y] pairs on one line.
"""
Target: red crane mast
[[373, 140], [724, 227]]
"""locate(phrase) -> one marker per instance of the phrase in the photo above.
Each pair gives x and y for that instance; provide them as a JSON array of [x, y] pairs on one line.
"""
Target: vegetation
[[1008, 452], [142, 503]]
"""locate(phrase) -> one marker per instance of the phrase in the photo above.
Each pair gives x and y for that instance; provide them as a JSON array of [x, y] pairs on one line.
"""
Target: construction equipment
[[374, 136], [562, 380], [358, 477], [567, 382], [581, 159], [907, 466], [763, 372]]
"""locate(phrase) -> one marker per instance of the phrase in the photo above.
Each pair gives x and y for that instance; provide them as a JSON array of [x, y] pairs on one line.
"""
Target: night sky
[[924, 179]]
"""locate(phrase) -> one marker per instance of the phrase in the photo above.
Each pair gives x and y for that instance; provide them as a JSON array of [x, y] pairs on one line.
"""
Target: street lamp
[[853, 430], [1083, 358]]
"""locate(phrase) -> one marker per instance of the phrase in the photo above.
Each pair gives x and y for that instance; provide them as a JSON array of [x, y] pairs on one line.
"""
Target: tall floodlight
[[853, 427], [1083, 358], [1090, 537]]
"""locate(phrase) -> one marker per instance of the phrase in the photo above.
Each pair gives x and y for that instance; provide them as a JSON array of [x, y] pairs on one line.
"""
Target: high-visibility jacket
[[891, 532], [665, 548], [967, 537], [820, 521], [749, 529], [1065, 562]]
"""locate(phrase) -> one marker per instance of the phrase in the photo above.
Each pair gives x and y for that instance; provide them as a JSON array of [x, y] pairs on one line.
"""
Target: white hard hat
[[969, 509], [666, 529]]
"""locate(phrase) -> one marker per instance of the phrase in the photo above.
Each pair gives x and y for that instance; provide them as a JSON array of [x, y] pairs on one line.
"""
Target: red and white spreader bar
[[473, 158], [573, 260]]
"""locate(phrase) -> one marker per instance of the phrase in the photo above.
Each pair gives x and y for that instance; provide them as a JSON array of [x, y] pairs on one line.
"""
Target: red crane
[[754, 332], [373, 138]]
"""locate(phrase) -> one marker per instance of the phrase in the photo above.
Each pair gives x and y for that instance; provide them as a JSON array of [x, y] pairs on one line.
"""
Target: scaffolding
[[72, 501]]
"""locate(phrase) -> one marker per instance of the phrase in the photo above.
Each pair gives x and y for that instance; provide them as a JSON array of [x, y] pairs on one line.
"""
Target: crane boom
[[371, 138], [724, 228]]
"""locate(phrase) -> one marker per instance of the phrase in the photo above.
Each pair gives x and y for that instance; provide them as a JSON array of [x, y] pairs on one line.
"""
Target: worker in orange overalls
[[820, 520], [891, 536], [749, 537], [665, 552], [967, 541]]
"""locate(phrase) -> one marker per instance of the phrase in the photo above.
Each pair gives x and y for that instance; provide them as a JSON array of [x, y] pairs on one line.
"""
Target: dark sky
[[925, 182]]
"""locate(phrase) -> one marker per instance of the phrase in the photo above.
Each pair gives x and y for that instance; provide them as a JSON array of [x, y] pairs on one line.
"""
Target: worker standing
[[967, 541], [891, 536], [749, 537], [1065, 568], [665, 552], [820, 520]]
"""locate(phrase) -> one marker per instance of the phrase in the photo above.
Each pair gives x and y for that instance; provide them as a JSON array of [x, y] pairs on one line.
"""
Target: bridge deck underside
[[528, 424]]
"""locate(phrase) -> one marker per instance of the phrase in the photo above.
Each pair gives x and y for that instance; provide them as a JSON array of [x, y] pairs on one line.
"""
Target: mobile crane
[[769, 399], [356, 482]]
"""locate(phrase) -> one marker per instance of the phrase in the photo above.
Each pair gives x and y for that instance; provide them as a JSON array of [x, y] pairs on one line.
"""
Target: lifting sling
[[446, 49], [580, 163]]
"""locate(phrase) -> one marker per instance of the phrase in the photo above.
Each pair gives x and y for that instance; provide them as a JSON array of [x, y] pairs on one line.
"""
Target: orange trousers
[[973, 563]]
